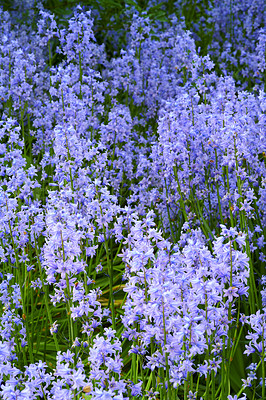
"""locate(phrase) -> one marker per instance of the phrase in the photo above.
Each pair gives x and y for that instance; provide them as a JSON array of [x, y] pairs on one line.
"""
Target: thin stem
[[46, 294]]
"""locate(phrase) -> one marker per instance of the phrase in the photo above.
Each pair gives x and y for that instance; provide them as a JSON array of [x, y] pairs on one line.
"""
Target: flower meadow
[[133, 201]]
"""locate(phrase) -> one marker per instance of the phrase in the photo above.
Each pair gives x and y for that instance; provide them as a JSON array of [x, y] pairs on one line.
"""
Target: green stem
[[263, 364], [110, 269], [168, 212], [22, 128], [68, 296], [217, 189], [24, 310], [213, 384], [166, 356], [180, 194], [46, 294]]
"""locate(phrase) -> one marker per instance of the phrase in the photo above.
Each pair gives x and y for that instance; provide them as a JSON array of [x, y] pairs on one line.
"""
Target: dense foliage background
[[132, 199]]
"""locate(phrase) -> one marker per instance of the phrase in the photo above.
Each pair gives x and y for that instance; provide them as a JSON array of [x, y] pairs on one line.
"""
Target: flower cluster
[[133, 201]]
